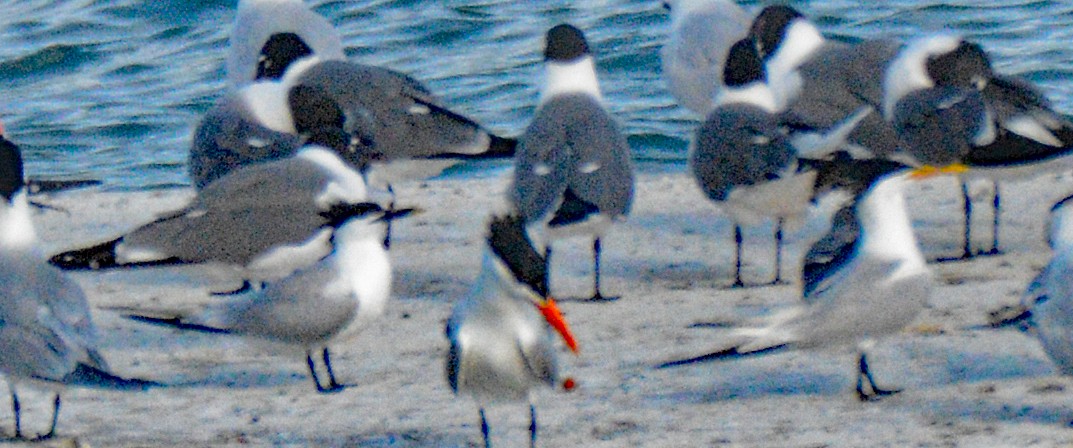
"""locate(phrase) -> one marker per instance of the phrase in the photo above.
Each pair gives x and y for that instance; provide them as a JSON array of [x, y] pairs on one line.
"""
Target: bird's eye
[[667, 5]]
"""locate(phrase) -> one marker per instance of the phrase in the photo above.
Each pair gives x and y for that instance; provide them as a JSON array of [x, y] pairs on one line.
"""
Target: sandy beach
[[671, 262]]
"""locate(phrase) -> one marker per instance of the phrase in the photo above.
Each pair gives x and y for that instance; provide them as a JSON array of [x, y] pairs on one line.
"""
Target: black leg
[[390, 208], [597, 296], [864, 373], [967, 250], [997, 203], [18, 414], [547, 260], [737, 257], [55, 417], [333, 385], [778, 252], [532, 426], [484, 430]]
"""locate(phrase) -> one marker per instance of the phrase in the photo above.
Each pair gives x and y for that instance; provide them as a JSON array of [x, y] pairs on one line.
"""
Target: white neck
[[801, 41], [267, 101], [570, 77], [756, 93], [16, 224], [907, 72], [363, 264], [885, 224], [345, 185]]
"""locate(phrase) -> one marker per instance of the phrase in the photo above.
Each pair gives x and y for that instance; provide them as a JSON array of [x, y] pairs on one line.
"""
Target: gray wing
[[602, 174], [395, 112], [1015, 101], [739, 145], [940, 125], [240, 216], [838, 81], [257, 21], [229, 137], [291, 310], [540, 360], [828, 255]]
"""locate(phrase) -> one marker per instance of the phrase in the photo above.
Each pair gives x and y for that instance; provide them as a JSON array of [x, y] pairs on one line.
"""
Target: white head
[[16, 225], [344, 183], [569, 67], [785, 40]]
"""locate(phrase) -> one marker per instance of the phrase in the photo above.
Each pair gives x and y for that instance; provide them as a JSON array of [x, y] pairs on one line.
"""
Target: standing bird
[[702, 32], [1046, 307], [950, 107], [501, 333], [742, 158], [314, 305], [871, 284], [264, 220], [47, 335], [572, 170]]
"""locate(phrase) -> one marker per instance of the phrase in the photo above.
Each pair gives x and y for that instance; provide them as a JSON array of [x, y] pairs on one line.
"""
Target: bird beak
[[554, 317], [929, 171], [394, 214]]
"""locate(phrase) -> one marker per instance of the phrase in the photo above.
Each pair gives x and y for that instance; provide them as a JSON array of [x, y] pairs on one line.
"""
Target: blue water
[[112, 89]]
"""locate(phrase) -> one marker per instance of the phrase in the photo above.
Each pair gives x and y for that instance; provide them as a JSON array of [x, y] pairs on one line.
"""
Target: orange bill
[[929, 171], [555, 319]]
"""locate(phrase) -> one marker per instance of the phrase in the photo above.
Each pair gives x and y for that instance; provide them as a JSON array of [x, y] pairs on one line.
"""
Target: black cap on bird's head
[[565, 43], [511, 244], [321, 121], [11, 180], [967, 66], [743, 64], [338, 214], [769, 28], [278, 53]]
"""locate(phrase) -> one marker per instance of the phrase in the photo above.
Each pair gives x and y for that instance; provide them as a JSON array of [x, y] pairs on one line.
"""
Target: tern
[[500, 335]]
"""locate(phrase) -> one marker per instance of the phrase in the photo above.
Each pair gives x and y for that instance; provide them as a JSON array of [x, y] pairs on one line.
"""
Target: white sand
[[670, 261]]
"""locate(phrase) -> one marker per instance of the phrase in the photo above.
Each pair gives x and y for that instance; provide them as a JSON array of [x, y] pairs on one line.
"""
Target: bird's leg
[[737, 257], [597, 296], [967, 252], [18, 413], [484, 430], [55, 417], [547, 260], [390, 208], [332, 385], [864, 373], [778, 252], [996, 202], [532, 426]]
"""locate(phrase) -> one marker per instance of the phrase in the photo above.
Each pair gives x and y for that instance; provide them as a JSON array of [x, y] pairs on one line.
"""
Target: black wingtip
[[175, 322], [101, 256], [498, 148], [89, 376], [729, 353], [44, 186]]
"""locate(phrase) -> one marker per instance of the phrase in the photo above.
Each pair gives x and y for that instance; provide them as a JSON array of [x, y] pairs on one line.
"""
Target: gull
[[818, 82], [263, 220], [500, 334], [950, 107], [47, 335], [315, 305], [702, 32], [1046, 308], [410, 132], [572, 172], [866, 280]]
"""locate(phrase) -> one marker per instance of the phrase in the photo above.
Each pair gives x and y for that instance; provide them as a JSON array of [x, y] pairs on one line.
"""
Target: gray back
[[739, 145]]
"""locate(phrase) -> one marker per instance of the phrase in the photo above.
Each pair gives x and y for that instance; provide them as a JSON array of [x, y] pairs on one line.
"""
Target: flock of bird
[[293, 169]]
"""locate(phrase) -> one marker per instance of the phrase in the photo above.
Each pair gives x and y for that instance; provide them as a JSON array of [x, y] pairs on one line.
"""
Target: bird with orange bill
[[501, 337]]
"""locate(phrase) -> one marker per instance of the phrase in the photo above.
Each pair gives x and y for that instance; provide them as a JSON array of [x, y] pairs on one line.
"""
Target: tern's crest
[[509, 241]]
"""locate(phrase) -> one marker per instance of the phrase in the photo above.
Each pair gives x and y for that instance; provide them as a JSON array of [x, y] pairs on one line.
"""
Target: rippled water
[[111, 89]]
